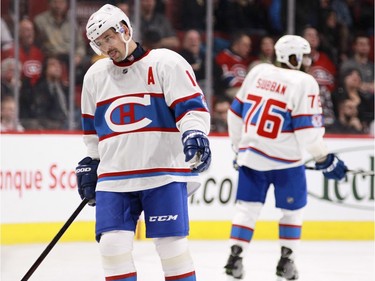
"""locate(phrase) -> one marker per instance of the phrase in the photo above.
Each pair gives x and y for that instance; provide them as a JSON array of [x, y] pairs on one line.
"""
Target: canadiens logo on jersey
[[32, 68], [120, 115], [134, 113]]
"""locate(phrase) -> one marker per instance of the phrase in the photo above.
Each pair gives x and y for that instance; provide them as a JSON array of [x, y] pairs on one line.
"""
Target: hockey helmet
[[108, 16], [289, 45]]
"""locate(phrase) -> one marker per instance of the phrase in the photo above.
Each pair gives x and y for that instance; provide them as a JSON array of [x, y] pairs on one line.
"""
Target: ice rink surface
[[317, 261]]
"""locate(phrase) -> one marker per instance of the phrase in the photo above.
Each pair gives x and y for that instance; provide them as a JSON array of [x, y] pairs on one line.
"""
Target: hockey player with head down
[[274, 118], [145, 124]]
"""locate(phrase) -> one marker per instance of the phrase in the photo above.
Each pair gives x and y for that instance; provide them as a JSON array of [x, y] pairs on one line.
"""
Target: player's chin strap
[[126, 42]]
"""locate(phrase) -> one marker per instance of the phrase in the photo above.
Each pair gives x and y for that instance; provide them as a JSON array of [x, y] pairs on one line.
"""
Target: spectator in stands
[[334, 36], [360, 60], [6, 36], [248, 16], [151, 39], [8, 81], [347, 121], [306, 13], [30, 54], [219, 123], [152, 20], [350, 89], [194, 15], [342, 10], [31, 58], [192, 50], [8, 115], [362, 12], [266, 52], [234, 62], [323, 70], [124, 5], [26, 106], [51, 97], [54, 33]]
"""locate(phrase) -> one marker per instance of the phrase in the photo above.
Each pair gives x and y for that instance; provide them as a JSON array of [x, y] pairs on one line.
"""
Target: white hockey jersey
[[275, 116], [133, 116]]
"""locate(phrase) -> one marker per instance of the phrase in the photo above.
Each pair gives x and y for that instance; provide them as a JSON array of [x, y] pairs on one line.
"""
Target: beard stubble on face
[[114, 55]]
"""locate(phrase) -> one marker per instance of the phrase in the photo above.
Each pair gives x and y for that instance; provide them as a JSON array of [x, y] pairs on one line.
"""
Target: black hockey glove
[[87, 178], [197, 150], [332, 167]]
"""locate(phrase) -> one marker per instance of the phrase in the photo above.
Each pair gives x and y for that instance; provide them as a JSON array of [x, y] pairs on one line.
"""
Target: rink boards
[[38, 193]]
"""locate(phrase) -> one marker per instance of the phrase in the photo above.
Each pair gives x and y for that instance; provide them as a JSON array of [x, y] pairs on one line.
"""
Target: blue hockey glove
[[332, 167], [87, 178], [197, 150]]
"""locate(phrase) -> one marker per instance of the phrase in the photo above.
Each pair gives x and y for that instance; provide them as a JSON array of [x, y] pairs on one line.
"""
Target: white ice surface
[[316, 261]]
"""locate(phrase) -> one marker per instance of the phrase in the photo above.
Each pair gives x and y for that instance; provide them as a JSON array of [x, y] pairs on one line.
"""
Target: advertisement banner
[[38, 183]]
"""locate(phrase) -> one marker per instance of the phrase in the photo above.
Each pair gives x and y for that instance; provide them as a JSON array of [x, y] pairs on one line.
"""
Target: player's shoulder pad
[[257, 69], [307, 81], [307, 77], [98, 66], [167, 55], [301, 75], [262, 67]]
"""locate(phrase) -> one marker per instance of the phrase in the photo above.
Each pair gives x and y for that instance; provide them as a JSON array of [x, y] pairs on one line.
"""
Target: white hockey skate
[[286, 268], [234, 268]]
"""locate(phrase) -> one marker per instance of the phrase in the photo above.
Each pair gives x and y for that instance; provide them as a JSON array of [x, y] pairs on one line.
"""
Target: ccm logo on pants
[[163, 218]]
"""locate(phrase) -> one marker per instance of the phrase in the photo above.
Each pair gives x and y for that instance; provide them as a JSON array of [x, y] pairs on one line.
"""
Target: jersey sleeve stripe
[[307, 121], [237, 107], [184, 99], [88, 126], [192, 103], [88, 116], [89, 133], [257, 151]]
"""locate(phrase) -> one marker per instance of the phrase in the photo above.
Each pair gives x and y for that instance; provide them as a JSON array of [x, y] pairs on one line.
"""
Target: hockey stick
[[353, 172], [55, 239]]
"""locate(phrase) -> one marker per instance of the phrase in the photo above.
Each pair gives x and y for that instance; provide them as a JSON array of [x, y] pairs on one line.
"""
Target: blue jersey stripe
[[307, 121], [237, 107], [195, 102], [87, 123]]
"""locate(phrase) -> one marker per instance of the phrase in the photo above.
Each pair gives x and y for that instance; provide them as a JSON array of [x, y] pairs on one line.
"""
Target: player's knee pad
[[247, 213], [174, 255], [116, 251], [292, 217]]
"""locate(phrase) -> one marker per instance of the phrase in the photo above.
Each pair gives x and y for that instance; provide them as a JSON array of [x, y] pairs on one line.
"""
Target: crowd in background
[[340, 32]]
